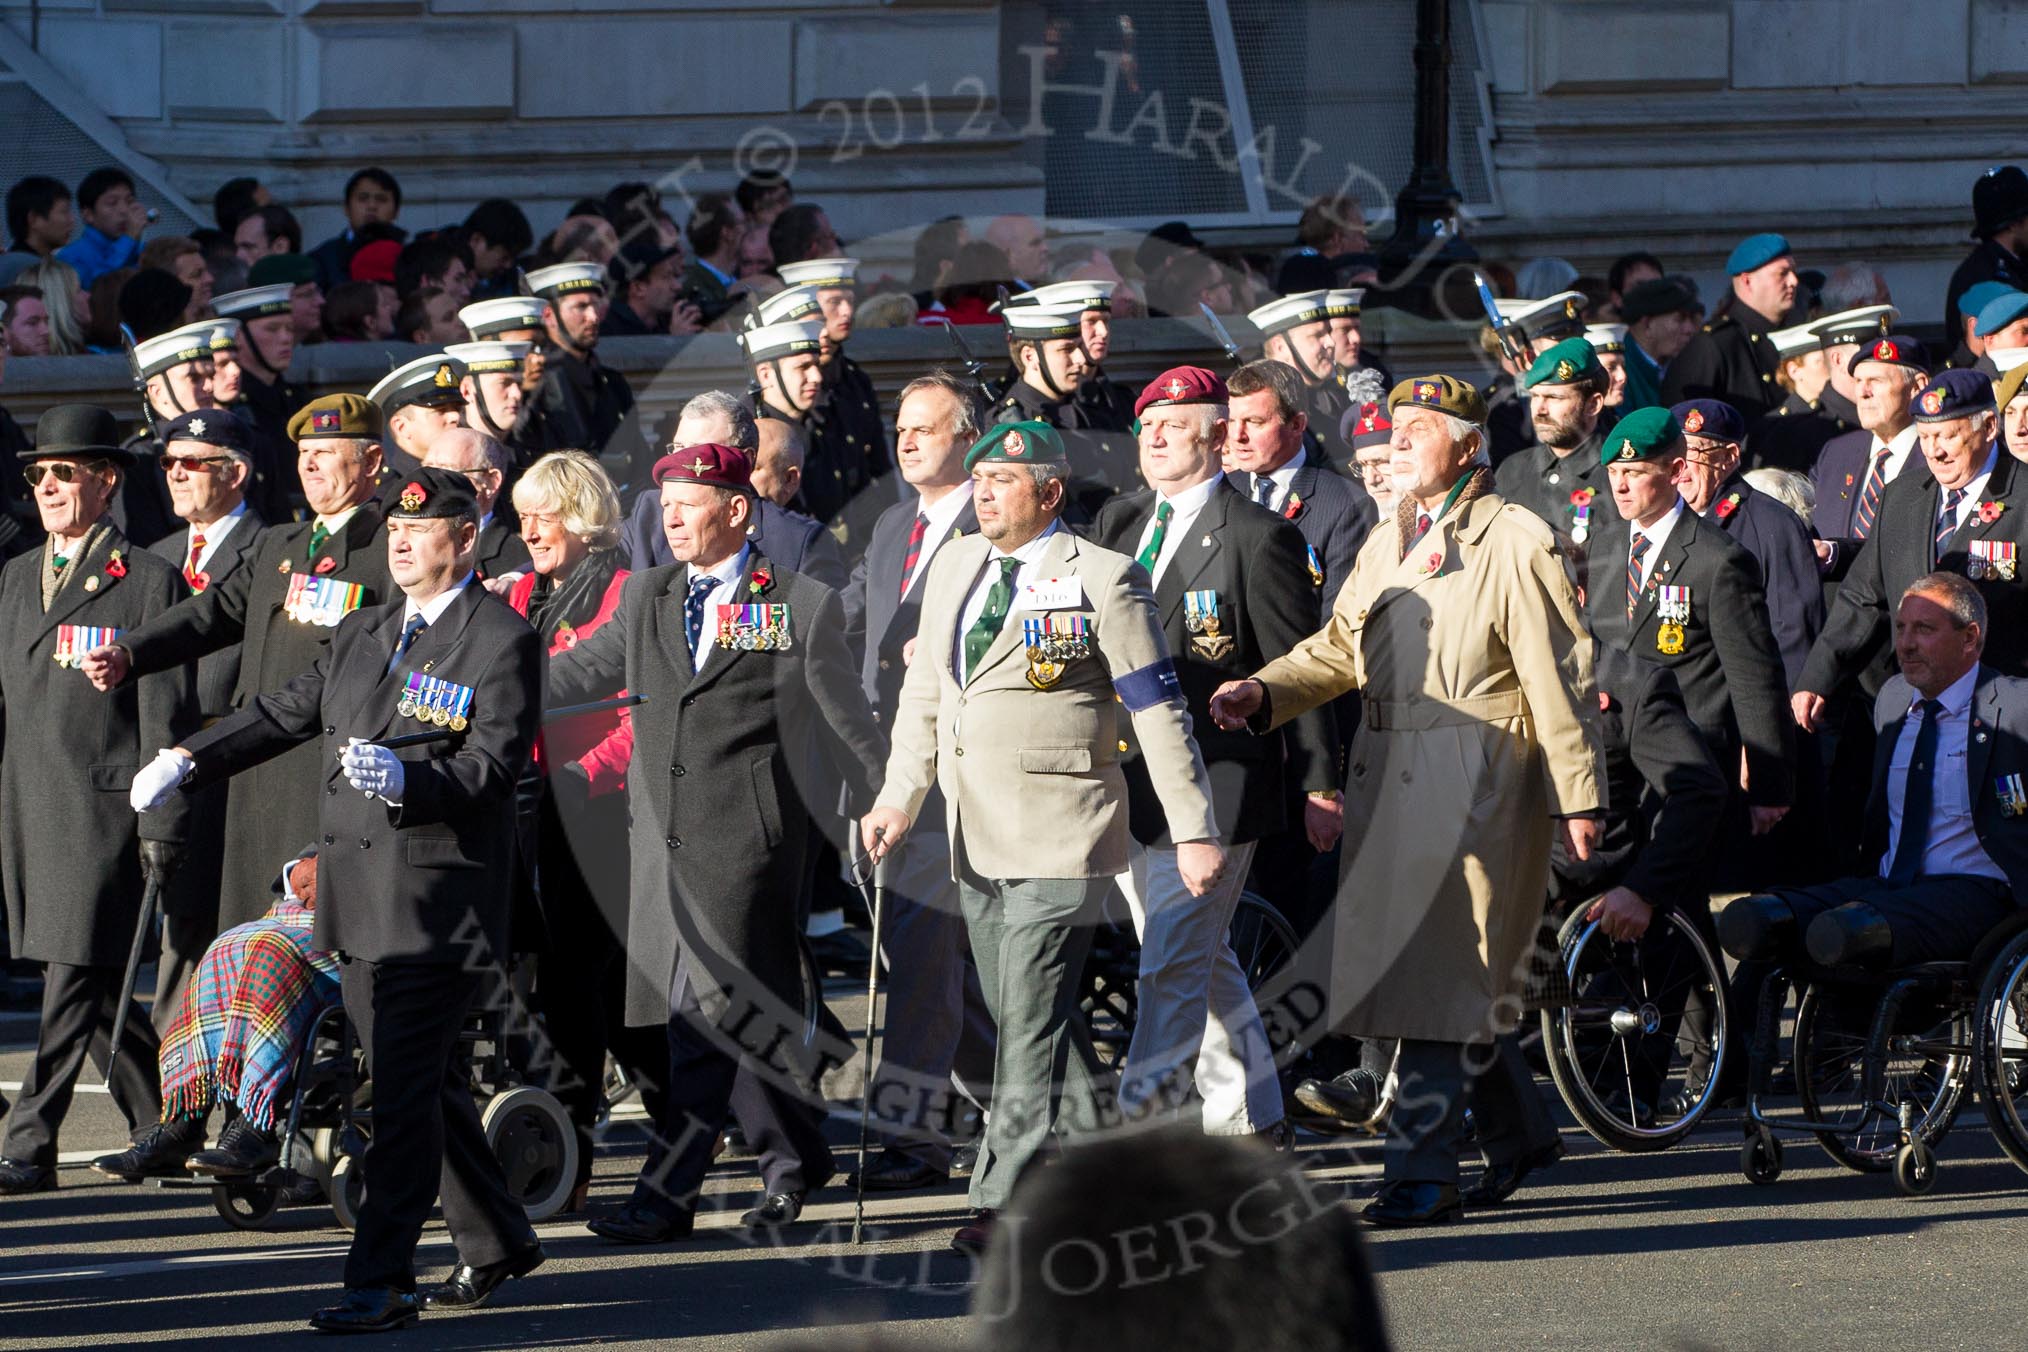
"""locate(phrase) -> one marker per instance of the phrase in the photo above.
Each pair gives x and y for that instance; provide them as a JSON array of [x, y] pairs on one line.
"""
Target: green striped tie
[[1153, 549], [319, 533], [999, 600]]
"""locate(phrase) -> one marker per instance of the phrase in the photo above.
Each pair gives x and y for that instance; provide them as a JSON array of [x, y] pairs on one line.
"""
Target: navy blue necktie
[[1947, 520], [1918, 790], [1264, 490], [693, 609], [409, 632]]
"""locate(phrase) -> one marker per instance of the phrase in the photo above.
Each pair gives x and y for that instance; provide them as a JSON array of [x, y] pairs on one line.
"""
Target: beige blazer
[[1031, 778]]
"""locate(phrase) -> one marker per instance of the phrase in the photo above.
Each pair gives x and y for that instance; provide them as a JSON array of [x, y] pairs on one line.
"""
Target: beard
[[1558, 433]]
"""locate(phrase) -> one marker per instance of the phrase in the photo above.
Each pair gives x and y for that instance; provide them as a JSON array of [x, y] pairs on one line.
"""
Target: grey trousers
[[936, 1046], [1438, 1082], [1030, 937]]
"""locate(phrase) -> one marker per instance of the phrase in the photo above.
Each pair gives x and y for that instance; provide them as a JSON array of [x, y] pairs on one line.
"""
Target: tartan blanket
[[249, 1008]]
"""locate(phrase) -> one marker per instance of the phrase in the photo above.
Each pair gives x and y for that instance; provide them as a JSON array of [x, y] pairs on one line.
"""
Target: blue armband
[[1153, 684]]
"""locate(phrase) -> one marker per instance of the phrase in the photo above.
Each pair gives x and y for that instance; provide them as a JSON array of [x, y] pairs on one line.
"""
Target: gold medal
[[1669, 638], [441, 717], [458, 723]]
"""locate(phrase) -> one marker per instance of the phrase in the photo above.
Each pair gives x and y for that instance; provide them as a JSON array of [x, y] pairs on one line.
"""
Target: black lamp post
[[1426, 241]]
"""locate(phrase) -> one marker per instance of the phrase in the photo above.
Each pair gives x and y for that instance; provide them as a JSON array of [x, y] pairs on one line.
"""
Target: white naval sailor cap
[[830, 272], [178, 347], [1606, 337], [1557, 316], [1856, 326], [426, 380], [489, 357], [784, 307], [1037, 323], [1343, 302], [255, 302], [1796, 340], [1288, 312], [772, 341], [562, 279], [502, 314], [1081, 296]]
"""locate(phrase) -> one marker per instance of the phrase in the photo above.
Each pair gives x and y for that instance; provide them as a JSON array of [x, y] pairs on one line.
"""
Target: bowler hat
[[79, 431]]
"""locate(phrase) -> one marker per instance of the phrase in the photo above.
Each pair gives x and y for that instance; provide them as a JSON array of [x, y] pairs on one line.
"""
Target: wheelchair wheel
[[1265, 943], [1923, 1068], [536, 1145], [1631, 1080], [2000, 1048], [1760, 1159], [1914, 1169], [347, 1190], [1108, 1001], [246, 1206]]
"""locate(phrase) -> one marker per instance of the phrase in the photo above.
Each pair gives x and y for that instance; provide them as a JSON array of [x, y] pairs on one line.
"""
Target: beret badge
[[1627, 451], [197, 427], [1885, 350], [1693, 421], [413, 497], [1427, 392], [325, 420], [1014, 444], [1932, 400], [1566, 370], [1175, 389]]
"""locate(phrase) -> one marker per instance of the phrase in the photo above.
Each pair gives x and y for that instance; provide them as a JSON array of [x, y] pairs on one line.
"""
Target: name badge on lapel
[[1053, 643], [1051, 593], [322, 601], [754, 628], [434, 700], [1998, 559], [73, 641], [1200, 618], [1672, 604]]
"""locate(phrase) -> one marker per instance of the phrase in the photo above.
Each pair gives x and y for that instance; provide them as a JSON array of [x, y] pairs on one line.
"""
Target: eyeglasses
[[193, 463], [65, 471]]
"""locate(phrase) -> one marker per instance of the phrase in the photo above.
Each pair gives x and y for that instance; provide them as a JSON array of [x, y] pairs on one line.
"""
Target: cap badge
[[1570, 309], [1932, 400], [1886, 351], [413, 497], [1175, 389], [1693, 421], [442, 379], [197, 427], [1014, 444], [1566, 370], [1426, 392], [324, 420], [699, 465], [1627, 451]]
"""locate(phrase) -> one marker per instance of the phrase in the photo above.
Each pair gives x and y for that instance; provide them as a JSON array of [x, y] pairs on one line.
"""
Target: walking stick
[[866, 1096], [151, 901]]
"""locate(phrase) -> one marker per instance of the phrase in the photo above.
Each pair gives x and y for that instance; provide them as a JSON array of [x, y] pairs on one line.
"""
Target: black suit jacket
[[1254, 561], [1730, 669], [1901, 549], [430, 878], [1334, 514], [1103, 461], [797, 542], [587, 406], [729, 764], [1781, 546], [500, 550], [218, 671], [879, 620], [1996, 749], [273, 808], [1664, 793], [1539, 479]]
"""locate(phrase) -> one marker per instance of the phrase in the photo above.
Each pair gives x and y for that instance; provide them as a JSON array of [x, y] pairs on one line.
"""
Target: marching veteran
[[1032, 646], [1461, 628]]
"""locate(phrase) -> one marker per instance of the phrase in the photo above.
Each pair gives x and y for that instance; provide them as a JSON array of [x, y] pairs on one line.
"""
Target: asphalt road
[[1608, 1251]]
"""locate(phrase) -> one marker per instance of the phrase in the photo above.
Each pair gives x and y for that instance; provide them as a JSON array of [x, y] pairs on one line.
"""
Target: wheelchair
[[1264, 941], [1637, 1043], [1884, 1059], [330, 1120]]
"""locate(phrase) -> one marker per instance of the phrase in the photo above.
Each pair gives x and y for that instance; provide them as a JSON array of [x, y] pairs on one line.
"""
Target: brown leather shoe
[[972, 1239]]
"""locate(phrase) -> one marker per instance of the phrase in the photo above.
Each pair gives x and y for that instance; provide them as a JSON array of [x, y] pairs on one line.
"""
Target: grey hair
[[735, 410], [1957, 596], [1459, 429], [794, 449], [497, 456], [1041, 472], [968, 425], [1792, 490]]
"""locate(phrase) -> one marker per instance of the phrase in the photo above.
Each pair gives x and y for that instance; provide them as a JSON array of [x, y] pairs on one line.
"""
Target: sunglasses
[[65, 471], [194, 464]]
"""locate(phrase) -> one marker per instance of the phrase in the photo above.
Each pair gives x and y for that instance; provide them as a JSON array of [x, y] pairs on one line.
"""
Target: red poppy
[[1436, 561], [1989, 512], [327, 564], [1582, 497], [762, 580], [1729, 506], [1293, 508], [200, 582], [116, 566], [1605, 701]]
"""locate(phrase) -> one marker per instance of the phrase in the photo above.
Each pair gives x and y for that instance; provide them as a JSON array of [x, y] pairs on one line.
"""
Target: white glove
[[372, 770], [157, 781]]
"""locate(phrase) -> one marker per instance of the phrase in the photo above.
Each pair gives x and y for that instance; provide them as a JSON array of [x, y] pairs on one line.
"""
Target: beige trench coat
[[1481, 728]]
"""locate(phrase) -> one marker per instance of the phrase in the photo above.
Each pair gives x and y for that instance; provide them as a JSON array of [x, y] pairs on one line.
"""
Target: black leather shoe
[[17, 1177], [633, 1223], [371, 1310], [964, 1159], [1351, 1098], [159, 1152], [1280, 1138], [1498, 1181], [1404, 1204], [468, 1287], [242, 1148], [776, 1210], [892, 1171], [972, 1239]]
